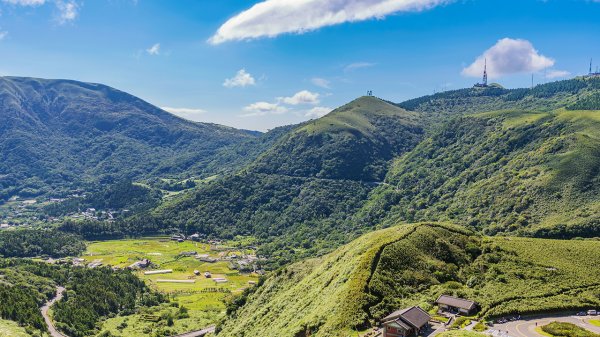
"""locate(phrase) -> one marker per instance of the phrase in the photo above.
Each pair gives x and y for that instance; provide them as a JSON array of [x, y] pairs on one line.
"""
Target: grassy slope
[[407, 265], [12, 329], [294, 197], [353, 142], [504, 171]]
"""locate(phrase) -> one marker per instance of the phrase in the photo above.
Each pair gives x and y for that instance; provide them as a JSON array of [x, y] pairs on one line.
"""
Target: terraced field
[[203, 299]]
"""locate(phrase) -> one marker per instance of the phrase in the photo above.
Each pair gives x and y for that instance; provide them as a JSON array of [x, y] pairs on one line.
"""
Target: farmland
[[203, 299]]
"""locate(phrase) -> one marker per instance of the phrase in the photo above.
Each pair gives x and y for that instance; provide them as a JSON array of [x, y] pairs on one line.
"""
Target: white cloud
[[318, 112], [358, 65], [154, 50], [509, 56], [25, 2], [264, 108], [193, 114], [321, 82], [241, 79], [557, 73], [271, 18], [68, 11], [302, 97], [3, 34]]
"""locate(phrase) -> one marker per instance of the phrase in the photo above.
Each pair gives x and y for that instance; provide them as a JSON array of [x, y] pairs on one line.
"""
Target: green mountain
[[354, 142], [59, 135], [352, 288], [296, 195], [526, 172]]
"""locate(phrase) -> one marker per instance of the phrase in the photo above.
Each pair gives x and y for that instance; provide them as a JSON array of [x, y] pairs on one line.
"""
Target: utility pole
[[485, 75]]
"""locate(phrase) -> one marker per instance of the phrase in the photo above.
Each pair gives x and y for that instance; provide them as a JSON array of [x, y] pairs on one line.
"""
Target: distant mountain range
[[57, 136], [518, 161]]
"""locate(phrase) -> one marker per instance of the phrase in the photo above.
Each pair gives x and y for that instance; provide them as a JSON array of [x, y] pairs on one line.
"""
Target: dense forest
[[35, 243], [92, 294], [59, 136], [123, 195]]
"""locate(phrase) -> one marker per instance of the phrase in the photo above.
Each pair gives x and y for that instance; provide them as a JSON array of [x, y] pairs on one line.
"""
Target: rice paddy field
[[201, 296]]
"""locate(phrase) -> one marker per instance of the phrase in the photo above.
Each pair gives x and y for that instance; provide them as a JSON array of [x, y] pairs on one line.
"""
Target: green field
[[12, 329], [204, 298]]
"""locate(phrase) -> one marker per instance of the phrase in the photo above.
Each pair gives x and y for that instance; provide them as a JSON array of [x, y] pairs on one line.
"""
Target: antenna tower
[[485, 76]]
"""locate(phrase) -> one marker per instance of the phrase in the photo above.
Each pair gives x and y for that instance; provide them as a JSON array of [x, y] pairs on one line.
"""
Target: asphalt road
[[198, 333], [46, 307], [525, 327]]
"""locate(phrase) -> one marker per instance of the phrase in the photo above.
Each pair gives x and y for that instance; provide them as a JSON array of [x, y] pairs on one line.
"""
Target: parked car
[[581, 313], [592, 312]]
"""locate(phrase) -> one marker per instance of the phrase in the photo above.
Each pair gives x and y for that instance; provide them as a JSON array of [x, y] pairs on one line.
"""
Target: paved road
[[525, 327], [198, 333], [46, 307]]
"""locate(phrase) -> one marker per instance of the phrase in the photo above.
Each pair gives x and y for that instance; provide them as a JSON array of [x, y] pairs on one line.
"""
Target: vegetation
[[34, 243], [97, 293], [530, 173], [59, 136], [119, 196], [567, 330], [397, 267]]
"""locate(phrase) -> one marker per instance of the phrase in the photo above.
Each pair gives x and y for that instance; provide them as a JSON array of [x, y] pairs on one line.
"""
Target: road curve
[[59, 295]]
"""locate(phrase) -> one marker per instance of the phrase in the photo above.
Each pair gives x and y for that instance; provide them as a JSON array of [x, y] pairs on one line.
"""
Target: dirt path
[[46, 307]]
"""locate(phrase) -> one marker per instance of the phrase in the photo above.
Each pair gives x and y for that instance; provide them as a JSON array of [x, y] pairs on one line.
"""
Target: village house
[[405, 322], [456, 305]]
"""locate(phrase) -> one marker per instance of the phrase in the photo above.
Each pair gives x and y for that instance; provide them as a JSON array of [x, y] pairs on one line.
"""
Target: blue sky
[[260, 64]]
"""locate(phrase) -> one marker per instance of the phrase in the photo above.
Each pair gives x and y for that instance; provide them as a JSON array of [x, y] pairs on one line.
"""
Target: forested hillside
[[59, 135], [533, 173], [297, 194], [352, 288]]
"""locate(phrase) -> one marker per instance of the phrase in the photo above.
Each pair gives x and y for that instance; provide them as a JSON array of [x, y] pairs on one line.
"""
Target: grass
[[567, 330], [539, 330], [12, 329], [595, 322], [204, 307], [405, 265]]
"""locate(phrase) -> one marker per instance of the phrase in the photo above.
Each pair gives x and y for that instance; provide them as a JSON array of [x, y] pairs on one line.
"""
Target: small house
[[406, 322], [456, 305]]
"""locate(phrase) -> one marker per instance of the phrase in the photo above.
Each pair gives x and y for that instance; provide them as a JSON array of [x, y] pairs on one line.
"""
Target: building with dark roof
[[456, 305], [405, 322]]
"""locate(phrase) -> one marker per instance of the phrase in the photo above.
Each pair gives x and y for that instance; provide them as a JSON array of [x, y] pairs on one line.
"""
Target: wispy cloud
[[241, 79], [187, 113], [271, 18], [318, 112], [3, 34], [154, 50], [321, 82], [507, 57], [67, 11], [263, 108], [301, 97], [358, 65], [558, 73], [25, 2]]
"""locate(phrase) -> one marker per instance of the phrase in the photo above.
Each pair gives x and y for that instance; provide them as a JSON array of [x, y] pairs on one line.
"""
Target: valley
[[317, 229]]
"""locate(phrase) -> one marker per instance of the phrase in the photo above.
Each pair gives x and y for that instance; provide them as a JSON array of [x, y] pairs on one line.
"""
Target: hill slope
[[361, 282], [353, 142], [57, 135], [509, 171], [295, 196]]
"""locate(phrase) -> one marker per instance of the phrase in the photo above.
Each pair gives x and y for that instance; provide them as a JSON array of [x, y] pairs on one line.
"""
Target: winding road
[[59, 295], [526, 326]]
